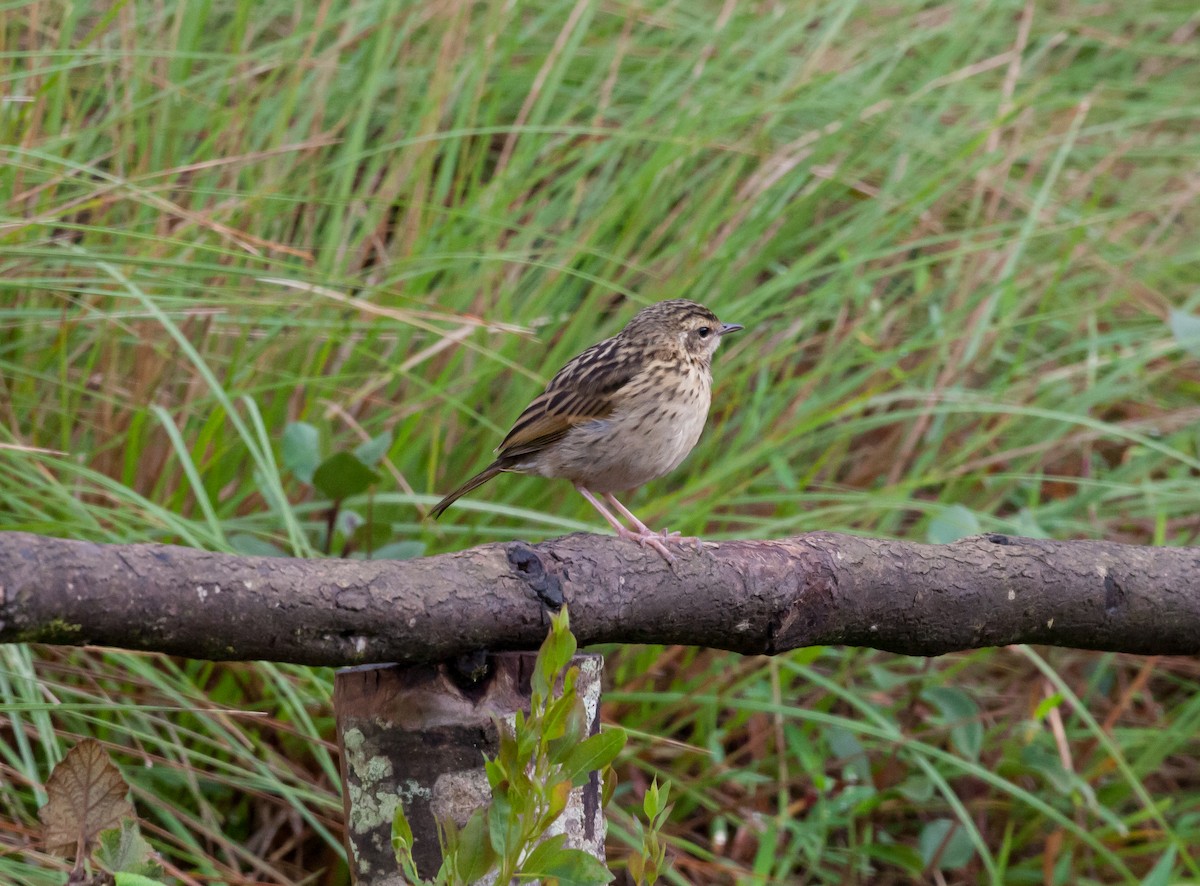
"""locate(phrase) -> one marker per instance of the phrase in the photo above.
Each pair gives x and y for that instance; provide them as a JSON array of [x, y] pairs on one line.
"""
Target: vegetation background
[[962, 237]]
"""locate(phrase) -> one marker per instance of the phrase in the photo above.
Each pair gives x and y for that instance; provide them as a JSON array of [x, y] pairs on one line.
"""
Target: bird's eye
[[703, 331]]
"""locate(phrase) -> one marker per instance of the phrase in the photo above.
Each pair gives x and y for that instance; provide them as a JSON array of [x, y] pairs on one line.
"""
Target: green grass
[[955, 235]]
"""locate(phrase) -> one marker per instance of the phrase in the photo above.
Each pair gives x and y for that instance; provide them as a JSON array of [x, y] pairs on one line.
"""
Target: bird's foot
[[679, 538], [648, 538], [641, 533]]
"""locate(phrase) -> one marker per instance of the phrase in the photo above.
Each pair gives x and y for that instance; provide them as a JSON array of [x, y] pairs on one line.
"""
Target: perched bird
[[625, 411]]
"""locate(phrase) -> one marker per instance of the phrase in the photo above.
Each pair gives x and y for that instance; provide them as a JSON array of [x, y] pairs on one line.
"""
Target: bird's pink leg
[[632, 517], [644, 536], [646, 530]]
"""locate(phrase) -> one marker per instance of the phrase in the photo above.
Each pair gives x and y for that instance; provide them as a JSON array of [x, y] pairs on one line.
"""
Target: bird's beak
[[727, 328]]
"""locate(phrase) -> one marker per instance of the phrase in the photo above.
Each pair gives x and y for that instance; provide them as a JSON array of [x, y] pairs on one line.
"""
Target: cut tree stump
[[416, 736]]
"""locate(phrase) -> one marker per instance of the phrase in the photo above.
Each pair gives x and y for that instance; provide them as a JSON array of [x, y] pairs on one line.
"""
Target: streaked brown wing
[[584, 390]]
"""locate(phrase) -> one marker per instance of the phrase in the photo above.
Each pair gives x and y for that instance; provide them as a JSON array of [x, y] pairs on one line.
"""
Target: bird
[[622, 413]]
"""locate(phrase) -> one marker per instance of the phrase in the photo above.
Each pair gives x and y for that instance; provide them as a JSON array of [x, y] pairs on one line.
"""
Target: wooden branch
[[747, 596]]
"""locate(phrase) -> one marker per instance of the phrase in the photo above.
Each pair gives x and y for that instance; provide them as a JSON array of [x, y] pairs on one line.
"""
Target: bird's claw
[[657, 540], [653, 542], [680, 539], [677, 536], [650, 539]]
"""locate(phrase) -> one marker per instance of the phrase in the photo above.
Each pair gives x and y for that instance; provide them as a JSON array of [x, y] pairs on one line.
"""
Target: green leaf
[[661, 805], [556, 719], [126, 878], [556, 797], [402, 835], [1160, 874], [300, 449], [503, 826], [1186, 329], [448, 839], [593, 754], [342, 475], [609, 788], [575, 729], [475, 855], [399, 550], [570, 867], [373, 451], [948, 841], [968, 738], [402, 841], [650, 803], [844, 745], [539, 858], [509, 761], [494, 769], [959, 711], [898, 855], [557, 650], [1046, 705], [917, 789], [1047, 764], [636, 866], [124, 849], [528, 743], [953, 523]]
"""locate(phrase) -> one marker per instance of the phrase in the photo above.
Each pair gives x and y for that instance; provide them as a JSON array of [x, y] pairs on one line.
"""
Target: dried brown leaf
[[86, 796]]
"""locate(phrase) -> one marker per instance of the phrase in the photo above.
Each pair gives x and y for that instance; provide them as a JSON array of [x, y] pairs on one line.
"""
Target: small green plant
[[541, 758], [337, 477], [651, 863]]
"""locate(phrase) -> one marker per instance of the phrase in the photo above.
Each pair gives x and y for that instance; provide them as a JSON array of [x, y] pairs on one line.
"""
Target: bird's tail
[[474, 483]]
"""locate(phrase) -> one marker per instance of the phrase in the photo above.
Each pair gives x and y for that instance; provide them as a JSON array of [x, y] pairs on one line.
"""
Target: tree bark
[[746, 596], [415, 736]]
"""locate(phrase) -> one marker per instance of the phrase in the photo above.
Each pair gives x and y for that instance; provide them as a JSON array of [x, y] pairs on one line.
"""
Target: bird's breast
[[656, 424]]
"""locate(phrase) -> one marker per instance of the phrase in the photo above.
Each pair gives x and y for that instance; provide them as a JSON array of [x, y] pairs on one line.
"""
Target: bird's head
[[689, 326]]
